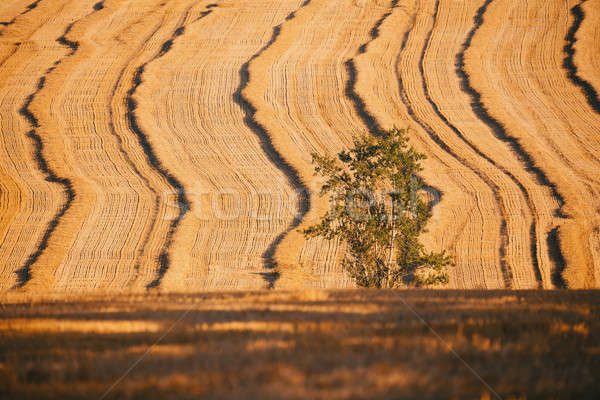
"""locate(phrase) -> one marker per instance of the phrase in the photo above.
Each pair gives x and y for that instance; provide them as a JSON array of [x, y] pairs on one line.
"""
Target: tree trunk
[[391, 257]]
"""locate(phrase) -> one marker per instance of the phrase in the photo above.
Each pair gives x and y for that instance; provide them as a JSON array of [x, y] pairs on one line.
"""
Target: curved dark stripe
[[501, 133], [68, 43], [24, 272], [374, 32], [560, 263], [588, 90], [591, 96], [274, 156], [505, 268], [31, 6], [27, 10], [182, 201], [359, 105]]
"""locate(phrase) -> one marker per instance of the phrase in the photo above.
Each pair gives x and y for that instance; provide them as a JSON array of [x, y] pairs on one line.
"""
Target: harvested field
[[155, 177], [305, 345], [166, 145]]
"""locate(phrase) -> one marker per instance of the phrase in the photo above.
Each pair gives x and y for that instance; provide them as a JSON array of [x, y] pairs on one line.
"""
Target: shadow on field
[[298, 345]]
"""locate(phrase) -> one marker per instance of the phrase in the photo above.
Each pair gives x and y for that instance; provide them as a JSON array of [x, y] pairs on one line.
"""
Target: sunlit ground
[[304, 345]]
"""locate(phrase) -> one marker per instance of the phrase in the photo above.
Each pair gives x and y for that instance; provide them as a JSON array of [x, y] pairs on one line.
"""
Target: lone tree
[[377, 211]]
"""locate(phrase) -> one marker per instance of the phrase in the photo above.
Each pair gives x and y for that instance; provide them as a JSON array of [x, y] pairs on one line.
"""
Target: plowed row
[[167, 144]]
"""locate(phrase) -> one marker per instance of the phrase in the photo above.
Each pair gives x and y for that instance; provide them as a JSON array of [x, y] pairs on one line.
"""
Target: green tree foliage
[[377, 211]]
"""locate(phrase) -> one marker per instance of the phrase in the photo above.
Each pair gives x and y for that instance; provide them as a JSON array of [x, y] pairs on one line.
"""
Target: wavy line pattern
[[359, 105], [125, 193], [168, 147], [24, 273], [465, 150], [588, 90], [494, 124], [156, 204], [29, 202], [502, 134], [182, 200], [289, 105], [242, 200], [506, 270], [276, 158], [548, 116]]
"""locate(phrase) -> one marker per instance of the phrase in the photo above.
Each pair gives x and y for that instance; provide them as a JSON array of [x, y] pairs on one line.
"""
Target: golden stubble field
[[165, 145], [155, 171]]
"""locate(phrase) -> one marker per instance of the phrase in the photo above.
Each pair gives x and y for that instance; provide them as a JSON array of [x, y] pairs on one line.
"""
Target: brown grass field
[[353, 344]]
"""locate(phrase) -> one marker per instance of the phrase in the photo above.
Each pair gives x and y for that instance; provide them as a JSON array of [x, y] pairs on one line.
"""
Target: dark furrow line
[[24, 272], [68, 43], [132, 165], [500, 132], [7, 23], [291, 173], [553, 241], [31, 6], [588, 90], [182, 201], [359, 105], [510, 175], [27, 10], [130, 162], [507, 275], [591, 96], [374, 32]]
